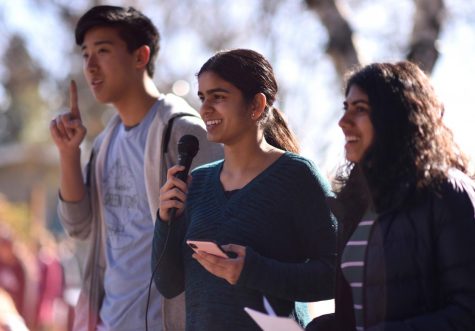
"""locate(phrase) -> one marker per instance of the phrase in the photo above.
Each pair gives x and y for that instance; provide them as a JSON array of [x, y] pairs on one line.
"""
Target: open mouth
[[96, 82], [351, 139], [212, 123]]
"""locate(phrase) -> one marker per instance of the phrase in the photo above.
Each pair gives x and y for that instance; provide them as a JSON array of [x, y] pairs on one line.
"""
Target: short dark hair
[[251, 73], [135, 28]]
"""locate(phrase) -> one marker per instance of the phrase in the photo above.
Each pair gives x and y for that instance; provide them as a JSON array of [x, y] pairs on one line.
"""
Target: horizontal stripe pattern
[[356, 284], [352, 265], [366, 223], [357, 243]]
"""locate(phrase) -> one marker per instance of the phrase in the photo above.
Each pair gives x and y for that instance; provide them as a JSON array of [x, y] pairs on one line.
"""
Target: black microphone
[[188, 147]]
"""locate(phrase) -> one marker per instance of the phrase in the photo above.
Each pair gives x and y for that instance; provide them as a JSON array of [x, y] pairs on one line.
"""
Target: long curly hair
[[412, 149]]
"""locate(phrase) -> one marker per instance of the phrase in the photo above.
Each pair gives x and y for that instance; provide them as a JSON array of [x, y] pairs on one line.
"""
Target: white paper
[[270, 321], [273, 323], [268, 307]]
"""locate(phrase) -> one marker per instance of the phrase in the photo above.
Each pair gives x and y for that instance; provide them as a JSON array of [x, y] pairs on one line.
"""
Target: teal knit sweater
[[283, 220]]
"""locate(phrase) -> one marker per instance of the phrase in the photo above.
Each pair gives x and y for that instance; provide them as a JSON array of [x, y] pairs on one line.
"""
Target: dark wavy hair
[[412, 149], [134, 28], [251, 73]]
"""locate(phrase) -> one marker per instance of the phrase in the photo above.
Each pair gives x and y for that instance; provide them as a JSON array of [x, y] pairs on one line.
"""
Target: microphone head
[[188, 145]]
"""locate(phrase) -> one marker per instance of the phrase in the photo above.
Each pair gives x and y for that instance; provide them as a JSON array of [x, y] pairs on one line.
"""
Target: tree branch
[[340, 45], [428, 20]]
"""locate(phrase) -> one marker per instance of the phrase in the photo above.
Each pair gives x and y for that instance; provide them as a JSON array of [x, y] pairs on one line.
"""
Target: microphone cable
[[188, 146], [155, 270]]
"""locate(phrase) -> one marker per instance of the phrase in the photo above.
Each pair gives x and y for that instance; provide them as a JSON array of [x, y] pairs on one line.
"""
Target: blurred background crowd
[[35, 291]]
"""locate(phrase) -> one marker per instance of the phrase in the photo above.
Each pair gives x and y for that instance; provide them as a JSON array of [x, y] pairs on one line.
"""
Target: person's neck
[[135, 105], [244, 161]]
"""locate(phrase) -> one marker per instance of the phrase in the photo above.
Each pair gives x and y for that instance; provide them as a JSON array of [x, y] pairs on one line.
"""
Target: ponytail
[[278, 134], [251, 73]]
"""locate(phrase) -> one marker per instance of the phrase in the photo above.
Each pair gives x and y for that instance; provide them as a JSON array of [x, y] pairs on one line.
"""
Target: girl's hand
[[227, 268], [172, 194]]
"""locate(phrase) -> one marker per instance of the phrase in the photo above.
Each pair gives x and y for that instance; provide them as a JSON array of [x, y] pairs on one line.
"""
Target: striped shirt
[[352, 265]]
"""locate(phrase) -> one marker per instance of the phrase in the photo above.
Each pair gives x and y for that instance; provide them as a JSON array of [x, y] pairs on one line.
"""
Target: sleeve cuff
[[250, 269], [162, 225], [71, 211]]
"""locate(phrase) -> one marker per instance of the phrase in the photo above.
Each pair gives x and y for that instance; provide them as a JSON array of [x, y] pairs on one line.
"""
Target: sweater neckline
[[221, 193]]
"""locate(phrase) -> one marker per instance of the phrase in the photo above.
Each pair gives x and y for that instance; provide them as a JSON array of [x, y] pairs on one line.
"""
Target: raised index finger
[[73, 100]]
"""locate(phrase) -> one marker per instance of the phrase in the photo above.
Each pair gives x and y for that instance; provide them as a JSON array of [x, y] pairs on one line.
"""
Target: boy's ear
[[142, 56]]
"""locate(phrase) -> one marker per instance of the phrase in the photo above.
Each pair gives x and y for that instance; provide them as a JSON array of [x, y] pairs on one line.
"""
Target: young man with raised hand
[[114, 204]]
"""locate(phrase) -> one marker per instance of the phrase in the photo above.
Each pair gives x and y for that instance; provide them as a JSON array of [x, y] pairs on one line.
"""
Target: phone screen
[[209, 247]]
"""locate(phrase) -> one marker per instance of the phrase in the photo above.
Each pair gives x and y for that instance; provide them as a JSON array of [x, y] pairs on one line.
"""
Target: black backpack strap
[[168, 132]]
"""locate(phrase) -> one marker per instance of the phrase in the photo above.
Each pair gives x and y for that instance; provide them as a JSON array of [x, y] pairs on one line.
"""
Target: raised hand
[[172, 194], [67, 129]]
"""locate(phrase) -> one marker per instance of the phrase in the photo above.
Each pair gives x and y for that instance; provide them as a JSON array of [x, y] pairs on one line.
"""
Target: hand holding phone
[[209, 247]]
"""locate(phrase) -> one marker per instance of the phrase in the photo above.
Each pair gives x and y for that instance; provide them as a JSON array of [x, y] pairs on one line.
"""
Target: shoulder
[[457, 194], [186, 120], [171, 105], [191, 125], [183, 122], [294, 161], [207, 169], [304, 171], [202, 176]]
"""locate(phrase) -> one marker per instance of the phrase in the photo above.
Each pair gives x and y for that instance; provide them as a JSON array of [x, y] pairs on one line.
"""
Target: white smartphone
[[209, 247]]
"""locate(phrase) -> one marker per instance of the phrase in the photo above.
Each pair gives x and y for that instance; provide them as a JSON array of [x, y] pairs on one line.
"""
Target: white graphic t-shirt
[[129, 231]]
